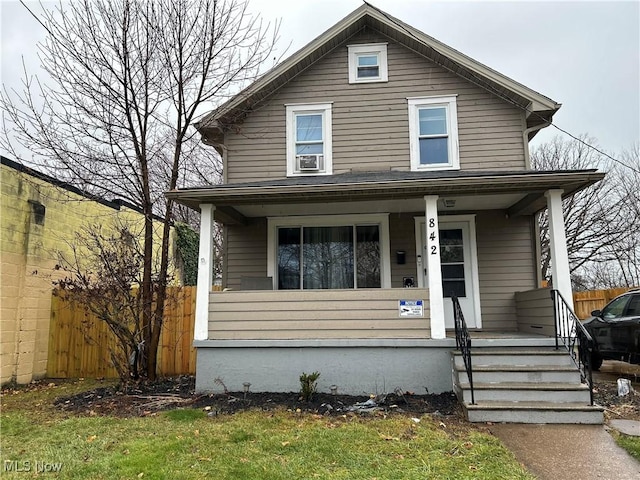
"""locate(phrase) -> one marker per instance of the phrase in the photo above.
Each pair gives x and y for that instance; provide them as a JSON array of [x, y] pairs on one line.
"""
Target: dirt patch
[[179, 392], [625, 407]]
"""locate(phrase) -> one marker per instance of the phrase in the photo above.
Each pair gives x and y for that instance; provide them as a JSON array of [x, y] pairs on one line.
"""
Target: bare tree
[[127, 81], [597, 219], [624, 251], [102, 271]]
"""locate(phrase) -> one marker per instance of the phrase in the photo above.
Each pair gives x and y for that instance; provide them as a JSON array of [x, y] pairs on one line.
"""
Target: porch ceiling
[[518, 193]]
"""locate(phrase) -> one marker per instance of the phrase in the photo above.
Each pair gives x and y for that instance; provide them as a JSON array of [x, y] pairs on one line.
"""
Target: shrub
[[308, 385]]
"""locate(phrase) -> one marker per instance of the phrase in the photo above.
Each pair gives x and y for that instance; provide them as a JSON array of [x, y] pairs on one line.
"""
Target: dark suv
[[616, 330]]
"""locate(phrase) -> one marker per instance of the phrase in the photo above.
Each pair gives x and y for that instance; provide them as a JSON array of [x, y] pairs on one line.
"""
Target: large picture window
[[433, 133], [329, 252], [335, 257]]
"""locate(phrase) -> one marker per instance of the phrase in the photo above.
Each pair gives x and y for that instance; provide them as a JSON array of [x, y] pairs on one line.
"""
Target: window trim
[[414, 105], [382, 220], [294, 109], [378, 49]]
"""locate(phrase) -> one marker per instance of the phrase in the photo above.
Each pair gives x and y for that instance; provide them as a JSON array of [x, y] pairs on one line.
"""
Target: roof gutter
[[474, 185]]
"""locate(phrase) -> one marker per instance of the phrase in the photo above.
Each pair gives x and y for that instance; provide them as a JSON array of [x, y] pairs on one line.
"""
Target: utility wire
[[486, 86], [478, 81]]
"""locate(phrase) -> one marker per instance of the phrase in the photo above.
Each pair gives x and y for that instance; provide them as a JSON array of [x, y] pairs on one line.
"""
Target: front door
[[459, 268]]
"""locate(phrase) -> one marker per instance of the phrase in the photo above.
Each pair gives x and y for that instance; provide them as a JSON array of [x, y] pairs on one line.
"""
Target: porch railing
[[575, 338], [463, 342]]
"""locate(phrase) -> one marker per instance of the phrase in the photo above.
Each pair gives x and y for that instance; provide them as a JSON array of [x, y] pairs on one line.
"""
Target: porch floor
[[479, 334], [481, 339]]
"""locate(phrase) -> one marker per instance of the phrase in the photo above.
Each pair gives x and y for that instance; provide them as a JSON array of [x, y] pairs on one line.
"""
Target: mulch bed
[[171, 393], [625, 407], [179, 392]]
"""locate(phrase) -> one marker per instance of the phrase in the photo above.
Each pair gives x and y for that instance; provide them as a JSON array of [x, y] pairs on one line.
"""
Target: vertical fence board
[[186, 335], [80, 345], [585, 302]]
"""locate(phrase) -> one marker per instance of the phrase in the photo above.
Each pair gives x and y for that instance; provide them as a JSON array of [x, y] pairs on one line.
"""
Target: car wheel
[[596, 361]]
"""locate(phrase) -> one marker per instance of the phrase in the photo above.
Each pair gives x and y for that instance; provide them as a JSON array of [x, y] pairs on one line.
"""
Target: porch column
[[434, 273], [560, 275], [205, 271]]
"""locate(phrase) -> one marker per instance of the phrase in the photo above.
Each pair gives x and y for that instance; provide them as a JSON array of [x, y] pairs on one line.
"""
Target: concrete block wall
[[29, 245]]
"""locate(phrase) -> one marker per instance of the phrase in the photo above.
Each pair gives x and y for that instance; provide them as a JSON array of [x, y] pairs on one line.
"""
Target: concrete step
[[526, 392], [510, 343], [520, 374], [534, 412], [485, 357]]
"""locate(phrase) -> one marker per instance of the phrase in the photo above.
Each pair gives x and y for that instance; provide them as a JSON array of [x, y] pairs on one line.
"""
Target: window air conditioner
[[309, 163]]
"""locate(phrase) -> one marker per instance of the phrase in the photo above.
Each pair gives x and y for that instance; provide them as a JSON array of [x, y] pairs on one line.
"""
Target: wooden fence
[[585, 302], [80, 344]]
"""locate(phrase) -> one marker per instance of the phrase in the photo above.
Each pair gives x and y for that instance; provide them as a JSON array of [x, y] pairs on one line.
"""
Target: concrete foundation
[[357, 367]]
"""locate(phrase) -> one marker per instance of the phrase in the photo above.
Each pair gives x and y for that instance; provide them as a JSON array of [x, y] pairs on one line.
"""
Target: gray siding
[[370, 121], [506, 260], [506, 264], [246, 252], [313, 314], [535, 312], [402, 237]]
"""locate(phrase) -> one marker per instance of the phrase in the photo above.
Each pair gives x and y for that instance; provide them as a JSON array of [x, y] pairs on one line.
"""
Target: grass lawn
[[630, 444], [186, 444]]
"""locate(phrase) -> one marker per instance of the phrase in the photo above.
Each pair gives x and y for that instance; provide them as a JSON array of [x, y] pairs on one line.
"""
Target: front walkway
[[557, 452], [574, 451]]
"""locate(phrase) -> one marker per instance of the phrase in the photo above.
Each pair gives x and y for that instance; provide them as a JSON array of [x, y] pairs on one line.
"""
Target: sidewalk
[[558, 452]]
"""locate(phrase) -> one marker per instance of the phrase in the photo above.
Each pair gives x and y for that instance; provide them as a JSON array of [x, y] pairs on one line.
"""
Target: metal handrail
[[574, 336], [463, 342]]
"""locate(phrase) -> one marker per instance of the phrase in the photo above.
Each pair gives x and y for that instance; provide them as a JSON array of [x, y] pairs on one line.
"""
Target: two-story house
[[368, 179]]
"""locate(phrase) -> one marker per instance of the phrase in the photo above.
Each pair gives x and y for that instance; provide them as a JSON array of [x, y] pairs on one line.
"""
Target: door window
[[452, 263]]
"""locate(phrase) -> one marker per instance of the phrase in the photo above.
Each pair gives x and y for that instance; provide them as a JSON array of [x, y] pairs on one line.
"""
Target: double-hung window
[[433, 131], [309, 139], [368, 63]]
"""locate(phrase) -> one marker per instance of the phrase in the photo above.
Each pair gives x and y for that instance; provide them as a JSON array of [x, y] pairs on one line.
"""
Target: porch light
[[449, 202], [334, 389]]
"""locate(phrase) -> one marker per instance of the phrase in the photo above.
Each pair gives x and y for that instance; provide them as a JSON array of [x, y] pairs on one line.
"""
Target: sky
[[582, 54]]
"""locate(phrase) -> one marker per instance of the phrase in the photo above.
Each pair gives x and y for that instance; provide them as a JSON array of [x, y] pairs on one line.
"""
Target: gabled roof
[[539, 108]]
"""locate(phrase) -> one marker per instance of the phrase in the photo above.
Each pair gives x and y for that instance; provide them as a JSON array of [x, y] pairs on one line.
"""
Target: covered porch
[[437, 234], [352, 275]]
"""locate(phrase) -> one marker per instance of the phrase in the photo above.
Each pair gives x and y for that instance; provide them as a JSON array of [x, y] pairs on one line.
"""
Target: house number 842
[[433, 237]]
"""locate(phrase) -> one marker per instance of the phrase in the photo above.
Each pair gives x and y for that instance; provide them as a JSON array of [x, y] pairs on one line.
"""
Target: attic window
[[368, 63]]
